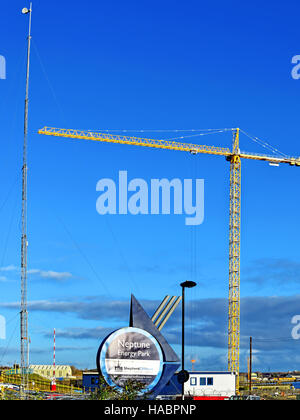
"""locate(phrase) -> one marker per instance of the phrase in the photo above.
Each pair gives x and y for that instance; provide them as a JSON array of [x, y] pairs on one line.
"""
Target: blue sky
[[157, 66]]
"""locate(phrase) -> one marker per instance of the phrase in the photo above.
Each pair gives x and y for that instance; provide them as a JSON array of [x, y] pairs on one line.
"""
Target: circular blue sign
[[131, 354]]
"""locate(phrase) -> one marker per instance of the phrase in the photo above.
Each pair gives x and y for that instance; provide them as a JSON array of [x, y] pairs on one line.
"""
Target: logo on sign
[[131, 354]]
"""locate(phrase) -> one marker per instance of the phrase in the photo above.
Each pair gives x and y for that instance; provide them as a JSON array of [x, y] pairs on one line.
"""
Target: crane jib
[[165, 144]]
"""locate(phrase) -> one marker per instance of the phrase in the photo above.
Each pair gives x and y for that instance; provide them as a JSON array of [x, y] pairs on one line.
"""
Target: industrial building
[[203, 384], [200, 384], [61, 372], [90, 381]]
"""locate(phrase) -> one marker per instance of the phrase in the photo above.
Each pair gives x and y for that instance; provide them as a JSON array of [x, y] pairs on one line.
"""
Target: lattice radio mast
[[24, 243]]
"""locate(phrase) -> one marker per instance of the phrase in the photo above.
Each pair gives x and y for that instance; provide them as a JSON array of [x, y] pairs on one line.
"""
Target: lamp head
[[25, 11], [188, 284]]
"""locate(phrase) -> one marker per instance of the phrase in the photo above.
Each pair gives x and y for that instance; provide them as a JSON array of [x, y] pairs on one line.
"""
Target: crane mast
[[234, 259]]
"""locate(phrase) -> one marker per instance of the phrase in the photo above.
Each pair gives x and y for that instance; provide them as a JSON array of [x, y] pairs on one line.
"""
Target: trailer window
[[210, 381], [193, 381], [202, 381]]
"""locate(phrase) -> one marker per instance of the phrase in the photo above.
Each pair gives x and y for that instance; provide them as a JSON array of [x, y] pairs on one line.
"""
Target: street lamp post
[[188, 285]]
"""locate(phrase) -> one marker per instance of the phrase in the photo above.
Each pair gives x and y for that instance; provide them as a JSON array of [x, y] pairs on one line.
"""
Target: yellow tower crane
[[233, 156]]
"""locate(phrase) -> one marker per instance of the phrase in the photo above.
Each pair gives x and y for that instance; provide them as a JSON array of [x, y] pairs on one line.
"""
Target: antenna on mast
[[24, 241], [53, 383]]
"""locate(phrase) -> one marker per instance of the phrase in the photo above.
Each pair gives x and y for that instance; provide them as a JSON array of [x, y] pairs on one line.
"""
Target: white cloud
[[55, 275], [50, 275], [33, 271], [9, 268]]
